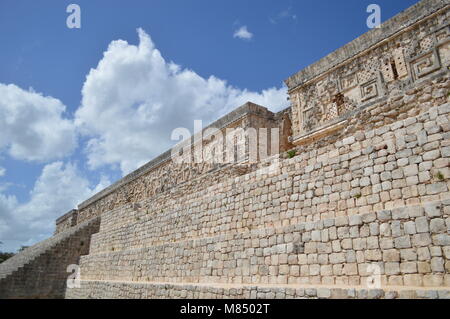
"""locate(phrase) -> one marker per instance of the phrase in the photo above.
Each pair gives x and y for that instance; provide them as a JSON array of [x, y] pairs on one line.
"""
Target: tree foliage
[[4, 256]]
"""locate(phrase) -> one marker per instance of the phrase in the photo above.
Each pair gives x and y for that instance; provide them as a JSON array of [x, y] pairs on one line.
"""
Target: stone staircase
[[46, 262]]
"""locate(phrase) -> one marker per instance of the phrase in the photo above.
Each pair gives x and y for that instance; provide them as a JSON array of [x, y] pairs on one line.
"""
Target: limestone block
[[422, 225], [421, 240], [392, 268], [391, 255], [437, 225], [402, 242]]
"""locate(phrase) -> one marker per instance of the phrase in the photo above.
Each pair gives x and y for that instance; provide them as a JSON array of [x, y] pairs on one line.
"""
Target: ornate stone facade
[[411, 52]]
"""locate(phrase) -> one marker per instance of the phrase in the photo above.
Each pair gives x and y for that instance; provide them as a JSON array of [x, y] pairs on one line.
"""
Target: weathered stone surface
[[422, 225], [432, 209], [437, 225], [402, 242], [391, 255]]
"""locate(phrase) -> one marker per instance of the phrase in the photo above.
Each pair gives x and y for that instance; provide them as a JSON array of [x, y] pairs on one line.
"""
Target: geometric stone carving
[[426, 44], [370, 90], [394, 68], [387, 69], [400, 64], [348, 82], [442, 34], [321, 87], [369, 71], [444, 53], [425, 65], [310, 117], [331, 112]]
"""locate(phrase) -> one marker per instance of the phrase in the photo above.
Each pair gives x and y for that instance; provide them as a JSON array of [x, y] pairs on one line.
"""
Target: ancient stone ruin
[[355, 202]]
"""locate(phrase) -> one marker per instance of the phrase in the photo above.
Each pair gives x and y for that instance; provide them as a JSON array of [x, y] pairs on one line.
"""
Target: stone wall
[[322, 219], [66, 221]]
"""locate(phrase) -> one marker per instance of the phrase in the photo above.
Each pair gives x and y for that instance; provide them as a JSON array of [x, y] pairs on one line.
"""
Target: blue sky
[[67, 131]]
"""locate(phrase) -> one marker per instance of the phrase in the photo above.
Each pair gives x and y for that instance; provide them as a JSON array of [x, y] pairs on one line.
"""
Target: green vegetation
[[5, 256], [291, 153], [440, 176]]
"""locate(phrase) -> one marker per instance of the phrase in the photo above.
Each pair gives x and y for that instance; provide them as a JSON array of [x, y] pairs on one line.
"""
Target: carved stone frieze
[[410, 55]]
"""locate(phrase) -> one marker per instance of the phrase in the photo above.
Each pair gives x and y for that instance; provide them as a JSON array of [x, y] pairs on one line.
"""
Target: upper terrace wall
[[163, 173], [352, 89], [393, 60]]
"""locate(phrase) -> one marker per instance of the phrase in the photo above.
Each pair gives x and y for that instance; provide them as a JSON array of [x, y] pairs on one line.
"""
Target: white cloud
[[243, 33], [59, 189], [133, 100], [32, 126], [2, 171]]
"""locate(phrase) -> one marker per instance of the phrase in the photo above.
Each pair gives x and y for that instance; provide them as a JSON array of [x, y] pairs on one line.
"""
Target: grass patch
[[291, 153], [440, 176]]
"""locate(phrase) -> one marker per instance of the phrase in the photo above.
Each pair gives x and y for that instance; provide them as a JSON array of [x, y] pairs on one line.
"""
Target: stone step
[[409, 245], [140, 226], [154, 290], [104, 242]]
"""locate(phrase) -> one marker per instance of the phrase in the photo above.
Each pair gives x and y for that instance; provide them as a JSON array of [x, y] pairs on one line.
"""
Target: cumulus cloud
[[134, 98], [243, 33], [32, 126], [2, 171], [59, 189], [131, 103]]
